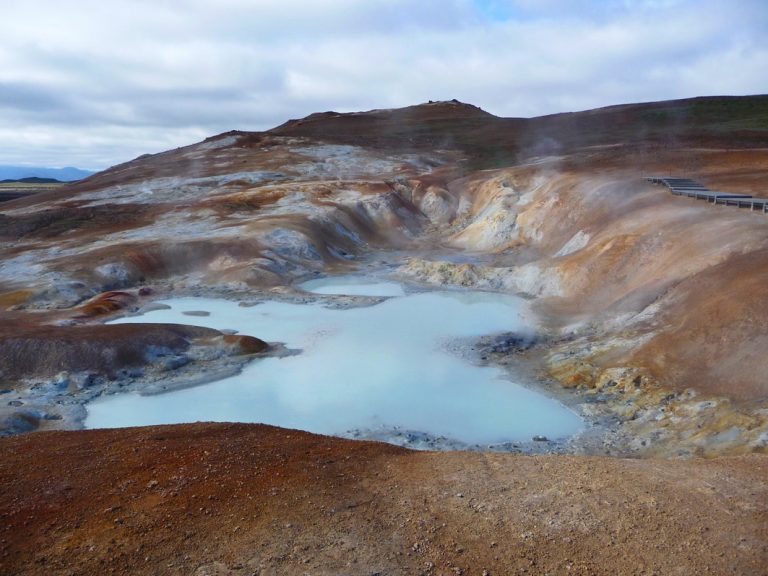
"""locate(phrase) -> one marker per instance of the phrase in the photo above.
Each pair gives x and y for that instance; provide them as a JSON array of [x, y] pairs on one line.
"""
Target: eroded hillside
[[649, 306]]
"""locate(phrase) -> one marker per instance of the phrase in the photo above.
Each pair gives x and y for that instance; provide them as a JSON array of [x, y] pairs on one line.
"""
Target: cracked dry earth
[[225, 499]]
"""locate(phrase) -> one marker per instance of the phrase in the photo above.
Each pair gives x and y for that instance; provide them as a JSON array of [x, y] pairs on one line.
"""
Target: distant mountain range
[[68, 174], [31, 180]]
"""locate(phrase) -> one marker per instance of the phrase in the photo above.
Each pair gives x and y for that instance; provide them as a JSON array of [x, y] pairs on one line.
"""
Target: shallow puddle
[[365, 369], [353, 286]]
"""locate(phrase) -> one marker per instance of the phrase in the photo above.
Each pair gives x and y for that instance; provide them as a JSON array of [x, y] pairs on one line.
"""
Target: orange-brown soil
[[246, 499]]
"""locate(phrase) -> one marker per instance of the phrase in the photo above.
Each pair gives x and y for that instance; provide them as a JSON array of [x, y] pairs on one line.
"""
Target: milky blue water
[[353, 286], [378, 366]]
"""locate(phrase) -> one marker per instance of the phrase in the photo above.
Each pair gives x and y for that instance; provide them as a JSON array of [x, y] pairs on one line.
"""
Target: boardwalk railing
[[692, 189]]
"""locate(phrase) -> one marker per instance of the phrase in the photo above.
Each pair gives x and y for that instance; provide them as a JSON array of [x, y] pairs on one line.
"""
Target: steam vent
[[424, 340]]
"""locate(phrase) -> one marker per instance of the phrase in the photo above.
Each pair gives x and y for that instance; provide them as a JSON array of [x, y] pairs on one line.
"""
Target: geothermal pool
[[362, 371]]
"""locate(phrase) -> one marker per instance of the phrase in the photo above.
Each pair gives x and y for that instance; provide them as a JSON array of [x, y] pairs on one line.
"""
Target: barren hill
[[650, 309]]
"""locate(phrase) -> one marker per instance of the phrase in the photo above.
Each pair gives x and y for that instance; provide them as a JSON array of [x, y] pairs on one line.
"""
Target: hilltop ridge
[[487, 142]]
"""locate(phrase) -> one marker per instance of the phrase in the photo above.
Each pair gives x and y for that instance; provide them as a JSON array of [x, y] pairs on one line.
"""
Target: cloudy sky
[[91, 83]]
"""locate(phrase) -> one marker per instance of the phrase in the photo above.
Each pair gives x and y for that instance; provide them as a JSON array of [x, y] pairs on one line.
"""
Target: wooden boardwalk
[[692, 189]]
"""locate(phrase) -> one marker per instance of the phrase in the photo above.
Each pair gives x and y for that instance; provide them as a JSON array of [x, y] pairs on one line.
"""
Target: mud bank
[[91, 361], [632, 412]]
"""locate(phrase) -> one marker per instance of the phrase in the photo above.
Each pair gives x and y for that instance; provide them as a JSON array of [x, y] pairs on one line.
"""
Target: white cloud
[[92, 83]]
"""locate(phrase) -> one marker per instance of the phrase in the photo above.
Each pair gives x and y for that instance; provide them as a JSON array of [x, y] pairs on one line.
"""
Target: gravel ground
[[248, 499]]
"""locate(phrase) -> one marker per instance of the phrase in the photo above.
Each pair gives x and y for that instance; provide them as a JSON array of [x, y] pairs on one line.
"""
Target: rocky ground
[[221, 499], [651, 320]]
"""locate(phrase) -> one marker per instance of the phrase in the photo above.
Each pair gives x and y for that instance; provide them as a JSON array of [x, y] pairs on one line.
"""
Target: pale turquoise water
[[383, 365], [353, 286]]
